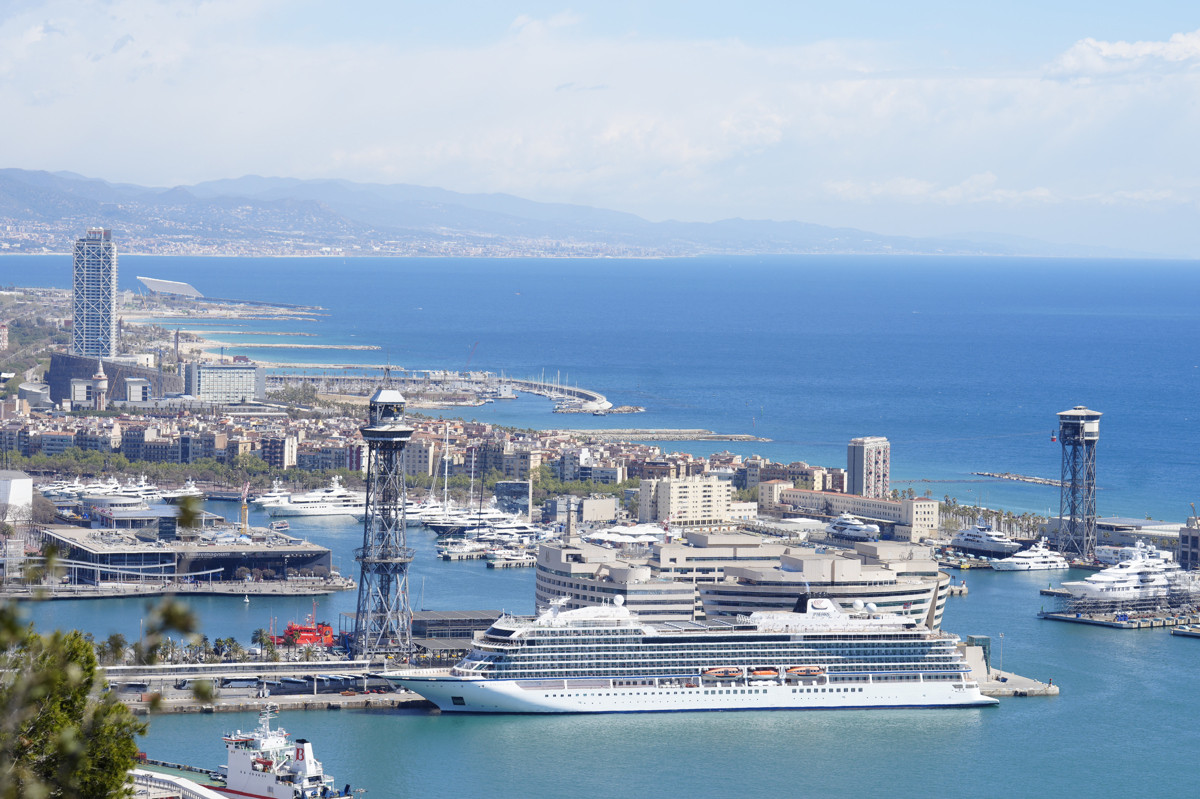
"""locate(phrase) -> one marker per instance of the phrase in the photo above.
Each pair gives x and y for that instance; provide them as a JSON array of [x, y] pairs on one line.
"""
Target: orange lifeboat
[[767, 671], [723, 672], [806, 671]]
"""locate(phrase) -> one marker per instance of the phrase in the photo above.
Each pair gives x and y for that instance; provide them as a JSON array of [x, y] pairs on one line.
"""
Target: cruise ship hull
[[458, 695]]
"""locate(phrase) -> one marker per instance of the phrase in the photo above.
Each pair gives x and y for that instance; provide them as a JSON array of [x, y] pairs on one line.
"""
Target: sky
[[1071, 122]]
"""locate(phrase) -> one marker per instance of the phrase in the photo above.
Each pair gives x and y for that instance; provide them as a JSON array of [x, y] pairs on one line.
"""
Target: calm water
[[1124, 725], [963, 363]]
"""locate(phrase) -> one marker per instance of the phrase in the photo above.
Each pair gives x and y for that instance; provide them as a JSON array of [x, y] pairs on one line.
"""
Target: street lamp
[[1001, 654]]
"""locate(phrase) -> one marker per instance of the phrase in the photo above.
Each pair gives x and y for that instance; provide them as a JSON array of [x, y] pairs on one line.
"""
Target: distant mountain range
[[45, 212]]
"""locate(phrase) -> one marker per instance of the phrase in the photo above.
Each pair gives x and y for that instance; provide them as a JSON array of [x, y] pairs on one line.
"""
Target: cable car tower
[[1078, 430], [383, 623]]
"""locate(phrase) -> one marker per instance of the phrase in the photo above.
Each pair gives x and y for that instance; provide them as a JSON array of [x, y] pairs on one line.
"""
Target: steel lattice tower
[[1078, 430], [383, 624]]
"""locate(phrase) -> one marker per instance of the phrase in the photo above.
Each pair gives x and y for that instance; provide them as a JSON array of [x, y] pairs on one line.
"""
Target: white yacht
[[188, 489], [1038, 557], [602, 659], [849, 528], [333, 500], [276, 496], [982, 540], [146, 492], [1149, 573]]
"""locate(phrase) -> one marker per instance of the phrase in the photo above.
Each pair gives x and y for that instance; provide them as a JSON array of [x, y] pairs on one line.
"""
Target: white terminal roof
[[169, 287]]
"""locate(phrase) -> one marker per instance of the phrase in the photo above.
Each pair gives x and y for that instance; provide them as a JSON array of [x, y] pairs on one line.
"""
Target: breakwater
[[1021, 478]]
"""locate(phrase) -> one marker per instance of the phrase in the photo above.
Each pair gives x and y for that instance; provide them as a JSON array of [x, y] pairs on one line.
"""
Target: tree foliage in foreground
[[58, 738], [60, 734]]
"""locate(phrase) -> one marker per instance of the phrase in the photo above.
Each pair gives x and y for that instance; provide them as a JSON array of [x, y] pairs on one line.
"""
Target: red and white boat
[[260, 764]]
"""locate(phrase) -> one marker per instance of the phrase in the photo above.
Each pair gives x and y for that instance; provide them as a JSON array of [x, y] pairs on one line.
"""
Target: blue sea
[[962, 363]]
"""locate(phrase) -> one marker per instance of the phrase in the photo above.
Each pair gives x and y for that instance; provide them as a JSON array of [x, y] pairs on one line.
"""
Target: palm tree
[[115, 647], [261, 639]]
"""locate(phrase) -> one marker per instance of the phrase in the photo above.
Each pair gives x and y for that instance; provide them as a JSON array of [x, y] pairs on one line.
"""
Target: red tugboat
[[314, 633]]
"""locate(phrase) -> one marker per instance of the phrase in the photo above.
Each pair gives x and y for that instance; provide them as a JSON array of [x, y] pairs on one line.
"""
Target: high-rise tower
[[1078, 430], [383, 625], [94, 327], [868, 467]]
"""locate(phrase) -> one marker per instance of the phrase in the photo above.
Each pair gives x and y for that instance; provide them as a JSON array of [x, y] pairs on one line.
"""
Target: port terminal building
[[1118, 531], [92, 556], [728, 574]]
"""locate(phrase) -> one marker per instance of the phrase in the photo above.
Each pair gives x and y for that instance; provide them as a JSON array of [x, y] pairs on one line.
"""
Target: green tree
[[56, 739], [114, 649]]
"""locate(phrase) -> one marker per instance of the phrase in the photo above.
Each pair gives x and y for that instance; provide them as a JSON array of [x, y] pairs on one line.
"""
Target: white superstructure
[[1038, 557], [849, 528], [1149, 573], [604, 660], [333, 500], [983, 540], [276, 496]]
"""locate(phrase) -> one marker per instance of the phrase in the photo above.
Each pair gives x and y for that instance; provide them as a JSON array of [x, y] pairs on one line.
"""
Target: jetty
[[1125, 621], [1021, 478]]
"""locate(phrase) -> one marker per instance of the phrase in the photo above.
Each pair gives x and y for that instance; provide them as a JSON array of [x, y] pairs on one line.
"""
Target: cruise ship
[[603, 659], [334, 500], [983, 540], [1038, 557]]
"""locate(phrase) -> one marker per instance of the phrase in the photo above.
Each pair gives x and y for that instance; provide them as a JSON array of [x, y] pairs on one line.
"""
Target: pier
[[1124, 621], [478, 385]]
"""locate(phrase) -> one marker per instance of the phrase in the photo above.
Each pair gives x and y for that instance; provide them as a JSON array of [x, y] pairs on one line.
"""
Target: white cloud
[[165, 93], [1092, 58], [981, 188]]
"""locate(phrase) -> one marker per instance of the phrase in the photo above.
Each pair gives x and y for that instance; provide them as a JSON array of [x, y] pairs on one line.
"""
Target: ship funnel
[[303, 762]]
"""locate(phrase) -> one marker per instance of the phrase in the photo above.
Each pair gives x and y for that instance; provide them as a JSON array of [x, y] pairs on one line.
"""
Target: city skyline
[[1070, 124]]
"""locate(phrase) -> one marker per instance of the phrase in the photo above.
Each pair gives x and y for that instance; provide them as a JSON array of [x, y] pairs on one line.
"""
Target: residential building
[[868, 465], [697, 502]]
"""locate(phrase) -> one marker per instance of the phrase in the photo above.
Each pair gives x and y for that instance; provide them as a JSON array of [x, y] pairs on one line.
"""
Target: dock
[[1125, 621], [1001, 684], [1187, 631], [142, 705], [290, 587], [1052, 591]]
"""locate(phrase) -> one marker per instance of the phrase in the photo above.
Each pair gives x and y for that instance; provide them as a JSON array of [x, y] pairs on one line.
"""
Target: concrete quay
[[1123, 621], [1002, 684], [145, 704], [297, 587]]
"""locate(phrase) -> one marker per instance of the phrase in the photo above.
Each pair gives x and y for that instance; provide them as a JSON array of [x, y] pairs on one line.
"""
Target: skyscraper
[[868, 466], [94, 330]]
